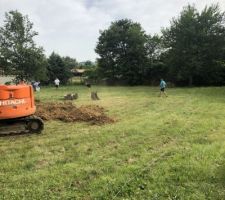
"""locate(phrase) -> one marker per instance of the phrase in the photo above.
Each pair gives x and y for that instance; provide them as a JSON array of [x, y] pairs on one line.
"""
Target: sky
[[71, 27]]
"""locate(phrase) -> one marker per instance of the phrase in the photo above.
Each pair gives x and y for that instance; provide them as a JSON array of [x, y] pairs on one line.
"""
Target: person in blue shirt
[[162, 86]]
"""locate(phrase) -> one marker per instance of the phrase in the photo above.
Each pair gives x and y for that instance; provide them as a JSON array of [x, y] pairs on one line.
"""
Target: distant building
[[78, 75], [78, 72]]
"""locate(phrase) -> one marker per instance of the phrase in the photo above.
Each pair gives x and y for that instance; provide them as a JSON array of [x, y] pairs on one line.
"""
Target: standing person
[[56, 81], [37, 86], [162, 86]]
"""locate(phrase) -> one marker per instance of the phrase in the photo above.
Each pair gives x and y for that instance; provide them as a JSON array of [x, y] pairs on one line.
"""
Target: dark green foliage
[[155, 72], [153, 47], [122, 52], [19, 55], [155, 68], [92, 74], [196, 47], [190, 52], [69, 62], [86, 64], [59, 68]]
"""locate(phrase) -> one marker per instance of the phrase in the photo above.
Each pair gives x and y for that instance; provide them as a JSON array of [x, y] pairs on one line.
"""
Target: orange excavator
[[17, 108]]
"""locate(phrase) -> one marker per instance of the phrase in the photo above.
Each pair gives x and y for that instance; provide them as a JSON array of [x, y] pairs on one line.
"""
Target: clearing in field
[[158, 148]]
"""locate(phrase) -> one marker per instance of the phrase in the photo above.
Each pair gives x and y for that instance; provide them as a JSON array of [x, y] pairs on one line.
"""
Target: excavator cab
[[17, 108]]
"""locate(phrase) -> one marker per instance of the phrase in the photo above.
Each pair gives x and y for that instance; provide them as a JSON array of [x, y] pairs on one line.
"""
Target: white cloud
[[71, 27]]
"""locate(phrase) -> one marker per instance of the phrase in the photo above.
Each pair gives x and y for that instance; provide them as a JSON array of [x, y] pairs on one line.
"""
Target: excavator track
[[19, 126]]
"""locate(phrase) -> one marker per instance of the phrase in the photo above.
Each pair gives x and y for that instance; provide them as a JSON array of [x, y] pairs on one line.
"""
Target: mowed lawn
[[159, 148]]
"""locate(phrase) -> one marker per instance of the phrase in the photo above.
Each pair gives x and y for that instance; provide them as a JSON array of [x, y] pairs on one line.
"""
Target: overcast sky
[[71, 27]]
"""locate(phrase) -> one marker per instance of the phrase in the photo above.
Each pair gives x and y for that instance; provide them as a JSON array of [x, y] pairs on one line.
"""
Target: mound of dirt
[[67, 112]]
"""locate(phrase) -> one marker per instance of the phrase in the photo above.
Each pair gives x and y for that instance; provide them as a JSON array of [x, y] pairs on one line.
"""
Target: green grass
[[159, 148]]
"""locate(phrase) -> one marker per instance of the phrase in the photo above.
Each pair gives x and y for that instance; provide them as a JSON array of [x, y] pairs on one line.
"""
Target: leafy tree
[[69, 62], [19, 55], [195, 44], [181, 41], [87, 64], [57, 69], [122, 52], [154, 47], [212, 46], [92, 74], [155, 68]]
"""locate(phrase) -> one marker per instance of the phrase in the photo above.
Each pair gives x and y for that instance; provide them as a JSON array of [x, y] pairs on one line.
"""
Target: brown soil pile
[[67, 112]]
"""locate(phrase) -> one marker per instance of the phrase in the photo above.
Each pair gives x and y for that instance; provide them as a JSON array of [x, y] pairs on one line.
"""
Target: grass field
[[159, 148]]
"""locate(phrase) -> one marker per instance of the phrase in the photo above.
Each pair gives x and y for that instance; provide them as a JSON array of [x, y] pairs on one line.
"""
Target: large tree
[[122, 52], [69, 62], [195, 44], [19, 55], [155, 69], [60, 68]]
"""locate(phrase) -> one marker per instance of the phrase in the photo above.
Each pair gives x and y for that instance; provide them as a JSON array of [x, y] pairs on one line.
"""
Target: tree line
[[21, 57], [191, 51]]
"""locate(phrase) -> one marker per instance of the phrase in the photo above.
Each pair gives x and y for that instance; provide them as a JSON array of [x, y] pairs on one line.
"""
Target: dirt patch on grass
[[67, 112]]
